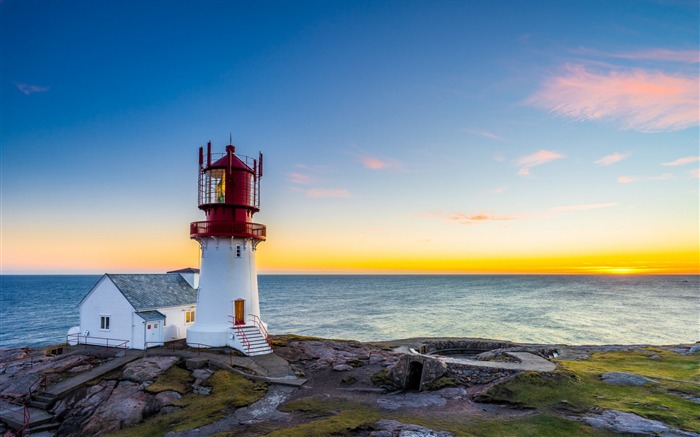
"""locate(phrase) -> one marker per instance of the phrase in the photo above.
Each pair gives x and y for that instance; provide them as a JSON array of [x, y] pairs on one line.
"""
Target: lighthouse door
[[239, 311]]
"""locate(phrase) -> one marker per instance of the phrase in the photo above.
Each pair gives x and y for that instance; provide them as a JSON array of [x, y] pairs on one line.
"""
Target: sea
[[38, 310]]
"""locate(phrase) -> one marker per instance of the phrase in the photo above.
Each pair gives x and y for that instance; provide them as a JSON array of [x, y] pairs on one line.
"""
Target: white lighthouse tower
[[228, 310]]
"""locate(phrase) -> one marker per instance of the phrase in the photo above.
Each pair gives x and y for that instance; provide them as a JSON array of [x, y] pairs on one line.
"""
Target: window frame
[[105, 322]]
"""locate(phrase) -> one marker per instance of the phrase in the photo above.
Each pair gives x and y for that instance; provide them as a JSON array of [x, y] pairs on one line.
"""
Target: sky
[[399, 136]]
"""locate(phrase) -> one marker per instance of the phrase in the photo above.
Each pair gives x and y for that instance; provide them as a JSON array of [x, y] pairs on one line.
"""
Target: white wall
[[224, 277], [175, 326], [106, 300]]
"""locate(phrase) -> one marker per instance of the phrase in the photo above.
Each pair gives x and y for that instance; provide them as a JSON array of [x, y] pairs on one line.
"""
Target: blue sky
[[398, 136]]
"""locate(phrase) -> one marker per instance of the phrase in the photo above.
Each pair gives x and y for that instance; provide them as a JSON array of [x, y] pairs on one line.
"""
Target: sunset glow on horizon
[[502, 138]]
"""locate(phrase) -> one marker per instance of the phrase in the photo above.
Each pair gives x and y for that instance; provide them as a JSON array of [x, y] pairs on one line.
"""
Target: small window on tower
[[238, 251]]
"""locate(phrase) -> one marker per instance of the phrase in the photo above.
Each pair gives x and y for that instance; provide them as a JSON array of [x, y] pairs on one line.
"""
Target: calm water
[[38, 310]]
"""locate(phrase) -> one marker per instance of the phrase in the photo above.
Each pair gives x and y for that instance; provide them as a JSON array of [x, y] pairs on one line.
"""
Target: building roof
[[146, 292], [185, 270], [151, 315]]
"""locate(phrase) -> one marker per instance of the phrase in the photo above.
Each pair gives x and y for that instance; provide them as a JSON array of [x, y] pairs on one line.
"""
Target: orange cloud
[[612, 159], [471, 219], [317, 193], [681, 161], [584, 207], [626, 179], [635, 99], [538, 158]]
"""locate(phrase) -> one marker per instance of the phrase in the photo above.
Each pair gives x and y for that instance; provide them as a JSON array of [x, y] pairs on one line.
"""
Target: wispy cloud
[[317, 193], [300, 178], [584, 207], [636, 99], [374, 163], [626, 179], [31, 89], [466, 219], [538, 158], [682, 161], [485, 134], [695, 174], [612, 159], [661, 55], [632, 179], [663, 177]]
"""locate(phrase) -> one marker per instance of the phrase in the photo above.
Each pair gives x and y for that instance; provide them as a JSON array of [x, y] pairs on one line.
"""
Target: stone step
[[43, 401], [13, 415]]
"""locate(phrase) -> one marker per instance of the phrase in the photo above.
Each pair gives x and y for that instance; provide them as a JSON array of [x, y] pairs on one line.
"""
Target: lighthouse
[[228, 309]]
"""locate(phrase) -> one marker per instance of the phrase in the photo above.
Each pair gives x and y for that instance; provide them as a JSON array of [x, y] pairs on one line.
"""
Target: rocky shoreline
[[325, 387]]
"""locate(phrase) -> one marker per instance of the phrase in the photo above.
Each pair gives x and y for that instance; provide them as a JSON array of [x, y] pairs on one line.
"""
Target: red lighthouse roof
[[230, 160]]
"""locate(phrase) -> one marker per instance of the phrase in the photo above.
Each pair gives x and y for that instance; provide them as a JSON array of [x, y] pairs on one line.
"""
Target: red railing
[[263, 330], [228, 229], [241, 333], [121, 344], [25, 413]]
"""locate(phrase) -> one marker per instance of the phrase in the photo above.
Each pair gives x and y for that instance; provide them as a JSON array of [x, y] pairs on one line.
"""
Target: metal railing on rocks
[[87, 340]]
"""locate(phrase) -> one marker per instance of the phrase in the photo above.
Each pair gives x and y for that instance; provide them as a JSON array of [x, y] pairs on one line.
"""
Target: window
[[189, 316], [238, 251], [104, 323]]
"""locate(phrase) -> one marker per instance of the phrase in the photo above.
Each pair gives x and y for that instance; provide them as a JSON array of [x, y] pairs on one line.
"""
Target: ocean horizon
[[38, 310]]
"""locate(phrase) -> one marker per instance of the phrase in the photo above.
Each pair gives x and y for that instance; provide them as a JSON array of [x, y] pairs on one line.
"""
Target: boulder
[[168, 397], [628, 423], [147, 369], [342, 367], [623, 378], [127, 405], [78, 406]]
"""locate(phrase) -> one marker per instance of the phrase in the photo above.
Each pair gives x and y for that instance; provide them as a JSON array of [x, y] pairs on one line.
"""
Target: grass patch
[[382, 379], [229, 391], [577, 387], [327, 417], [175, 379], [442, 382], [535, 426]]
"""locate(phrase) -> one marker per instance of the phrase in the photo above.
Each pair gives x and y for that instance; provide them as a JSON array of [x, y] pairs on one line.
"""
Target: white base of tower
[[246, 338], [205, 336]]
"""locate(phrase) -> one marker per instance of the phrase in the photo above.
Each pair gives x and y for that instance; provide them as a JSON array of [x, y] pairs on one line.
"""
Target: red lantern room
[[229, 195]]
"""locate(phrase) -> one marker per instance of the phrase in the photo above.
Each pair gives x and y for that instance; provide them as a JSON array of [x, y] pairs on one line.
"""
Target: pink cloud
[[626, 179], [317, 193], [300, 178], [485, 134], [538, 158], [662, 55], [681, 161], [612, 159], [584, 207], [635, 99], [31, 89], [472, 219], [695, 174], [374, 163]]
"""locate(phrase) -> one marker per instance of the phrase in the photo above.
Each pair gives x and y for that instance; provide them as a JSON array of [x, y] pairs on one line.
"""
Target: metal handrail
[[26, 414], [257, 322], [244, 338], [121, 345], [228, 228]]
